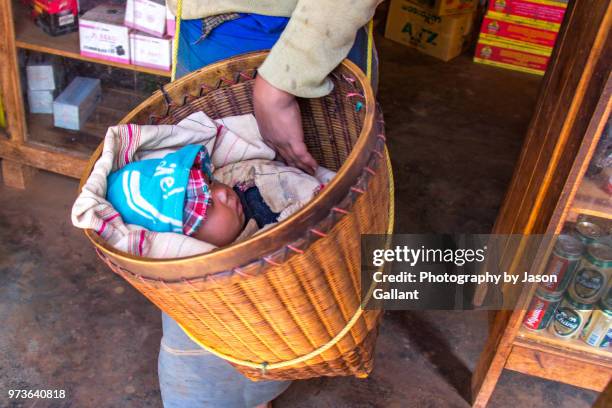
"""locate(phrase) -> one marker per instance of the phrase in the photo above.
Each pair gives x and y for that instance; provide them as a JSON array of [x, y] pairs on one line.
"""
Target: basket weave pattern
[[293, 293]]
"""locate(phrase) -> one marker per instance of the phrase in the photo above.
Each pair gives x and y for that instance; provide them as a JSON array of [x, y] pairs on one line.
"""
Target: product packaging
[[519, 34], [56, 17], [148, 16], [78, 101], [511, 57], [41, 101], [446, 7], [103, 35], [540, 12], [443, 37], [150, 51], [508, 32], [170, 23], [44, 74]]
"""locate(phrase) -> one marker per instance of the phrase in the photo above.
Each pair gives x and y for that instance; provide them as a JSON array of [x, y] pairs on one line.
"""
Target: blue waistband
[[249, 32]]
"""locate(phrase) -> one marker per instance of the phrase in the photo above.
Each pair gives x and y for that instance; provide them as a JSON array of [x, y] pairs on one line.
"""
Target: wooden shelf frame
[[19, 151], [573, 107], [547, 341], [30, 37]]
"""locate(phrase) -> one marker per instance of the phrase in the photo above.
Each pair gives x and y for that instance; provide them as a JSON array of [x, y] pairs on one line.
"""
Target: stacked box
[[78, 101], [109, 31], [148, 16], [519, 34], [42, 75], [441, 36], [511, 57], [549, 12], [102, 34], [150, 51], [55, 17], [170, 23], [44, 79], [41, 101]]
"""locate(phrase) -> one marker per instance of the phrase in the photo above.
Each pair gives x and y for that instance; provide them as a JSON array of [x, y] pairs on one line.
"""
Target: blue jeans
[[189, 376]]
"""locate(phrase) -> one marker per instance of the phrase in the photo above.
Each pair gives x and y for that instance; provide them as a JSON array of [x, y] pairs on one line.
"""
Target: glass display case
[[574, 314], [561, 190], [31, 138]]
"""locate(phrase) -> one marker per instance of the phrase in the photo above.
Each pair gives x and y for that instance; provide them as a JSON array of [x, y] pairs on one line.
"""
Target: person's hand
[[280, 123]]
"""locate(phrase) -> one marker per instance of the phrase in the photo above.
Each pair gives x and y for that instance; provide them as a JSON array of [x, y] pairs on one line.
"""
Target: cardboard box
[[56, 17], [446, 7], [44, 74], [542, 11], [150, 51], [443, 37], [508, 32], [103, 35], [41, 101], [170, 23], [78, 101], [510, 57], [148, 16]]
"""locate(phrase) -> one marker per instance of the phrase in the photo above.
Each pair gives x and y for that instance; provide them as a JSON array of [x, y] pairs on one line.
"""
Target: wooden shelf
[[29, 36], [579, 370], [572, 362], [113, 106], [592, 200], [549, 342], [79, 143], [42, 157]]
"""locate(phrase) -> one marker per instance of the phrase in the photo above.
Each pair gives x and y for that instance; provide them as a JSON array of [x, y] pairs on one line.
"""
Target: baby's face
[[224, 217]]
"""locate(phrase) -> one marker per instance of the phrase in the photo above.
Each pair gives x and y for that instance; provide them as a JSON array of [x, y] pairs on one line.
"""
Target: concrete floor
[[454, 132]]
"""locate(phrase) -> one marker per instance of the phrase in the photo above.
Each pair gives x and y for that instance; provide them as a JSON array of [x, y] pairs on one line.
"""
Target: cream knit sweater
[[318, 37]]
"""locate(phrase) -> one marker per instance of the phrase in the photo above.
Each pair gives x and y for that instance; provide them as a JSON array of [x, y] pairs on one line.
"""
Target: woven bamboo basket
[[284, 304]]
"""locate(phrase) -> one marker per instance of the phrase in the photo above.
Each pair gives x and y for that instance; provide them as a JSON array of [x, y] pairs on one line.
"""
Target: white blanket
[[238, 153]]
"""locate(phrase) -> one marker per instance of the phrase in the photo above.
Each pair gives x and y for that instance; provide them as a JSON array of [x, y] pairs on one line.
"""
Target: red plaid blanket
[[198, 193]]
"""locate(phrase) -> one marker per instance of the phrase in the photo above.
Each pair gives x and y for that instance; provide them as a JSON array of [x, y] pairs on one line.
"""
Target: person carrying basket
[[308, 39]]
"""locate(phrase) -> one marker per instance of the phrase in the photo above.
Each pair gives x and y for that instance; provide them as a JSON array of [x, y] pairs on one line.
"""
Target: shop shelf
[[29, 36], [113, 106], [545, 340]]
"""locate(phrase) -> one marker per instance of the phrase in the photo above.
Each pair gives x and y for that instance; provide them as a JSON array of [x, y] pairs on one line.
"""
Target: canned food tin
[[562, 263], [592, 275], [570, 318], [541, 310], [595, 332], [588, 232], [606, 298], [607, 340]]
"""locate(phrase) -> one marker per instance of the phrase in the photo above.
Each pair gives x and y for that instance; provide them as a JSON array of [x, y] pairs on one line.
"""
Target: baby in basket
[[178, 193]]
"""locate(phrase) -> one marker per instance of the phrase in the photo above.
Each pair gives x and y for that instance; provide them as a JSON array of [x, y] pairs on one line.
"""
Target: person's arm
[[317, 38]]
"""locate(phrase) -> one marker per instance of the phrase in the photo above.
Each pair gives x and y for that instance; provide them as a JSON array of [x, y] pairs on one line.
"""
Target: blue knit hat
[[151, 193]]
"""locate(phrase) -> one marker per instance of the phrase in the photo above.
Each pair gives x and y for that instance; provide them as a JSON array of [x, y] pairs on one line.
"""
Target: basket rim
[[254, 244]]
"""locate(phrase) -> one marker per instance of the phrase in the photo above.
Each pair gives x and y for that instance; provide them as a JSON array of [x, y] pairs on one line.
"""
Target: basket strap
[[369, 51], [177, 34], [264, 366]]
